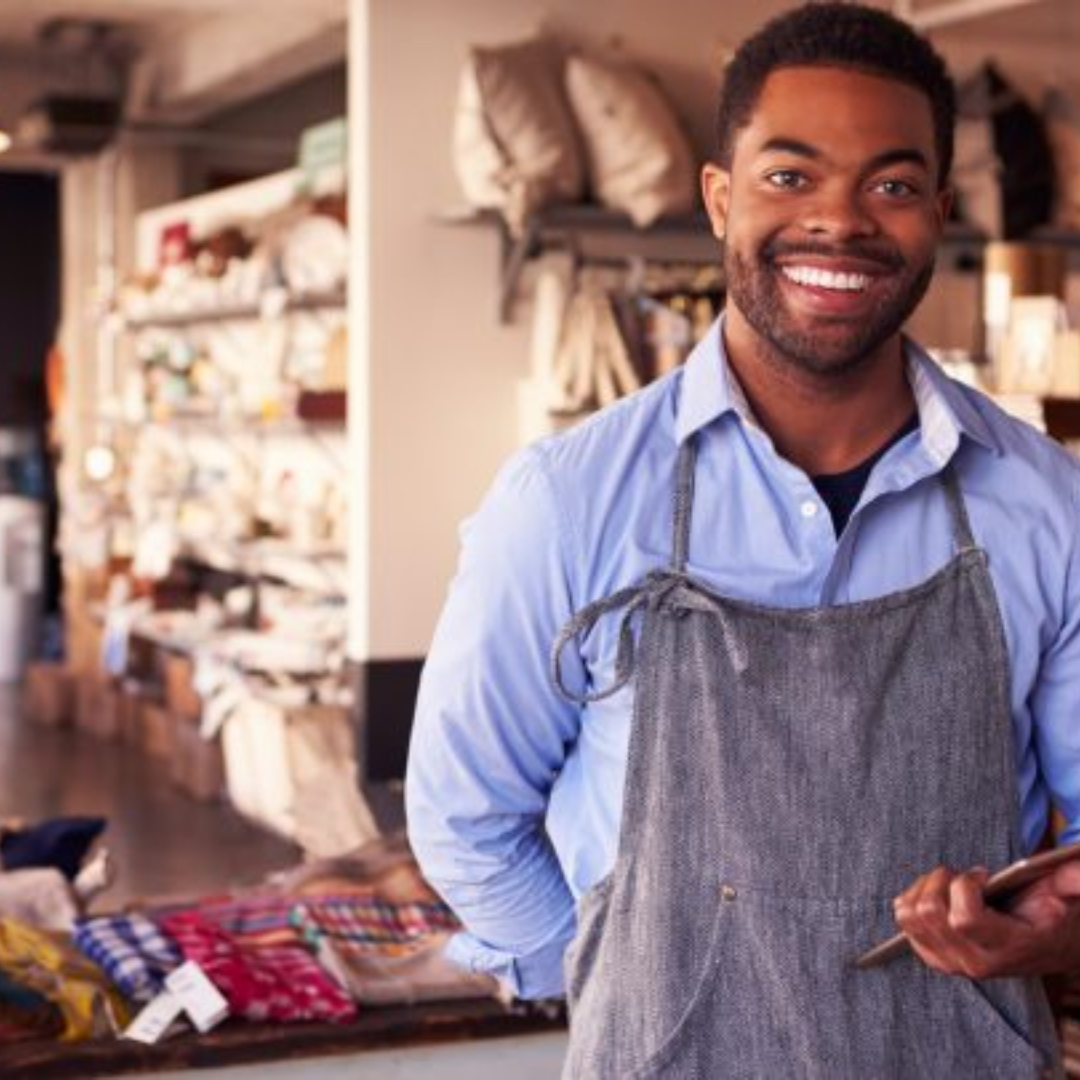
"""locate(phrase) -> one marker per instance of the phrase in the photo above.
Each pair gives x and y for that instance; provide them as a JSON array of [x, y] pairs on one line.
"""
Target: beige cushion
[[515, 146], [639, 159], [1062, 115]]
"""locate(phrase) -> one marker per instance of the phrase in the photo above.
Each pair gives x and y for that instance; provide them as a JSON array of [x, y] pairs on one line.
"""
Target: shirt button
[[728, 892], [808, 509]]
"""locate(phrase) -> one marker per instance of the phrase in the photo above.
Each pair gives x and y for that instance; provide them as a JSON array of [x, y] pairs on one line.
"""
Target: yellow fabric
[[49, 963]]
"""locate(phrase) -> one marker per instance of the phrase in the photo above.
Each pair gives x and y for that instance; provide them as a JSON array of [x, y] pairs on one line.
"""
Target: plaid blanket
[[131, 950], [369, 924]]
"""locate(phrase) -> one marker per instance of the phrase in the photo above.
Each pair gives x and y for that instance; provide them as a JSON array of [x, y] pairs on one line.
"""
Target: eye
[[895, 188], [786, 179]]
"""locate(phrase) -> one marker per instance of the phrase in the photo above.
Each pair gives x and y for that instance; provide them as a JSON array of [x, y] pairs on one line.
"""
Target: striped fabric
[[131, 950], [255, 920], [368, 923]]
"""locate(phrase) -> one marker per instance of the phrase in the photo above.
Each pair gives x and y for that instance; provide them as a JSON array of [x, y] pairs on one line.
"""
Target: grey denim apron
[[790, 771]]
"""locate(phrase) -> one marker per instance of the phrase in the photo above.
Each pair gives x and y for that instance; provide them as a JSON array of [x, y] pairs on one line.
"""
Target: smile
[[817, 278]]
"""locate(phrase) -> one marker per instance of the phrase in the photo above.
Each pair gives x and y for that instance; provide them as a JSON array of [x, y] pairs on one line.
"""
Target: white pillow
[[639, 159], [515, 145]]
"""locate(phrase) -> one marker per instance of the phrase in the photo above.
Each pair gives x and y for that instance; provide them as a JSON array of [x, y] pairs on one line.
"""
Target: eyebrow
[[900, 156]]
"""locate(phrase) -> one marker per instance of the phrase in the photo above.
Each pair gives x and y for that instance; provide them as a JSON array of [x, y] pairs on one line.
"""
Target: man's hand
[[953, 930]]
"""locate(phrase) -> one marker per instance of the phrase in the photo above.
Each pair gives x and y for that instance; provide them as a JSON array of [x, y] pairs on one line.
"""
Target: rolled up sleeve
[[490, 736], [1056, 700]]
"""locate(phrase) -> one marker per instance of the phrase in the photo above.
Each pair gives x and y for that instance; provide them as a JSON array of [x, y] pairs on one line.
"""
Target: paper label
[[155, 1019], [198, 996]]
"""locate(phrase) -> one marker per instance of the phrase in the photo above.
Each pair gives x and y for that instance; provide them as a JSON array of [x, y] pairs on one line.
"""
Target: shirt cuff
[[535, 975]]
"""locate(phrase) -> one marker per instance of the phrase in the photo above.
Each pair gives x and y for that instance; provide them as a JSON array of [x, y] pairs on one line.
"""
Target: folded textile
[[42, 898], [49, 964], [131, 950], [61, 843], [257, 919], [376, 976], [370, 921], [260, 982], [384, 953], [25, 1014]]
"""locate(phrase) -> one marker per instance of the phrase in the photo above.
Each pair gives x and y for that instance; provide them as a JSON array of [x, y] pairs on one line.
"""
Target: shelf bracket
[[516, 252]]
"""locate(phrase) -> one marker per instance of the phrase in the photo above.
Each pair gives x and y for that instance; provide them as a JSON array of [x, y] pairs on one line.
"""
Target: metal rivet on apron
[[728, 892]]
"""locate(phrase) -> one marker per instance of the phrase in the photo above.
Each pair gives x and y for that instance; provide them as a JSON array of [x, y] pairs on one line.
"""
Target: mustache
[[883, 255]]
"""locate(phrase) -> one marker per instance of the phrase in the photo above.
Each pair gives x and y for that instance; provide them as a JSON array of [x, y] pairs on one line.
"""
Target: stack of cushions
[[1004, 169], [533, 129], [515, 145], [1061, 112]]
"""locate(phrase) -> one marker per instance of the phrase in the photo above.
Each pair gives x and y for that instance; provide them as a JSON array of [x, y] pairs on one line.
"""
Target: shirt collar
[[710, 390]]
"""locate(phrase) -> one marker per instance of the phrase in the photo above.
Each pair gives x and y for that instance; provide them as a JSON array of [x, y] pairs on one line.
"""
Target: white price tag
[[198, 996], [155, 1019]]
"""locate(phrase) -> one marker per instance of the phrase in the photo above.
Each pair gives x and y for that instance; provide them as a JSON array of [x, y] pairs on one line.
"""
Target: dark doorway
[[29, 319], [29, 292]]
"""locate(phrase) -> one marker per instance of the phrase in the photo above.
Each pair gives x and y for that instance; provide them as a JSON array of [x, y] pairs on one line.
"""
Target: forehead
[[840, 111]]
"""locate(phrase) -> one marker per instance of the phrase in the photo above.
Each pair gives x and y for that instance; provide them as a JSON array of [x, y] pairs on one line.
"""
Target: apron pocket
[[1005, 1011], [686, 1018], [632, 990]]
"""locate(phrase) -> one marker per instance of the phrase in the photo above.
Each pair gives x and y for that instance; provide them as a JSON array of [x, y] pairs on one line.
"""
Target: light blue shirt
[[514, 796]]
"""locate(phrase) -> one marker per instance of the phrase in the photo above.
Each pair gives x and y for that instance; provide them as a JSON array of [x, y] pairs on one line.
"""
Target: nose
[[840, 213]]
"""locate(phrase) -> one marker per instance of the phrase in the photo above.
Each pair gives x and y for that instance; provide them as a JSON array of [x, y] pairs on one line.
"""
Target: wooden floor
[[164, 843]]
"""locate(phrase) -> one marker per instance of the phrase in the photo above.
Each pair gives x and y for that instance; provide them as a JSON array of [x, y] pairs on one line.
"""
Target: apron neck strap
[[962, 534], [684, 502]]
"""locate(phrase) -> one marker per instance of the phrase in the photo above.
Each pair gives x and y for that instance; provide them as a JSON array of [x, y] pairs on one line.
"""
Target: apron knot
[[654, 591]]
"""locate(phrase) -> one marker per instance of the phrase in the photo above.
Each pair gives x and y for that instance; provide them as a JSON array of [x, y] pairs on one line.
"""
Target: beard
[[833, 347]]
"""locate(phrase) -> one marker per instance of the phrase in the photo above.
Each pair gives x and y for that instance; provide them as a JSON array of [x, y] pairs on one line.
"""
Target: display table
[[240, 1043]]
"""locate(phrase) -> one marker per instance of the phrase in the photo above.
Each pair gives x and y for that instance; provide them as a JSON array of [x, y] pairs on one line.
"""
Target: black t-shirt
[[841, 491]]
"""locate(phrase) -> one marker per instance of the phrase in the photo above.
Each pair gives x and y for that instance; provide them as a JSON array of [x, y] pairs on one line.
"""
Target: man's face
[[830, 214]]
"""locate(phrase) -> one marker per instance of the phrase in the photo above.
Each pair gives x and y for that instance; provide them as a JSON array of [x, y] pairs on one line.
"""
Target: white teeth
[[826, 279]]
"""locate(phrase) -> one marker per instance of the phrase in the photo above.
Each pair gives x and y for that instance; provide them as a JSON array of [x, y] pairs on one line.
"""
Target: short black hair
[[837, 34]]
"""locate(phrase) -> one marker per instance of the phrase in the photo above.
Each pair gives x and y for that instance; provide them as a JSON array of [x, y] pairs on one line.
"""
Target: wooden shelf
[[269, 307], [593, 234]]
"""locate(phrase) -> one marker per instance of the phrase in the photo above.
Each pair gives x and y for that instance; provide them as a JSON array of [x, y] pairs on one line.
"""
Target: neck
[[823, 423]]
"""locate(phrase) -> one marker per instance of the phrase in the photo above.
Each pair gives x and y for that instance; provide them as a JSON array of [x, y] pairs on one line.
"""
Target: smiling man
[[816, 665]]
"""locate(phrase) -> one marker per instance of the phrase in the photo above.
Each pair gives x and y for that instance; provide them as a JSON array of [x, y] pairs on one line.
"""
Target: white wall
[[443, 371]]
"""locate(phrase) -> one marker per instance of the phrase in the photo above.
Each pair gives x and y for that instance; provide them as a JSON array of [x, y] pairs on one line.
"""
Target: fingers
[[951, 928], [922, 913]]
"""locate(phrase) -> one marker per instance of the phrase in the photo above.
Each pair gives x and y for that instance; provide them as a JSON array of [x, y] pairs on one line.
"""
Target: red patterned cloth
[[260, 982]]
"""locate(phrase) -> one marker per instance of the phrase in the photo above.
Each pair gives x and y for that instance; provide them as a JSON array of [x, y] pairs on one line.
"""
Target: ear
[[716, 194], [944, 203]]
